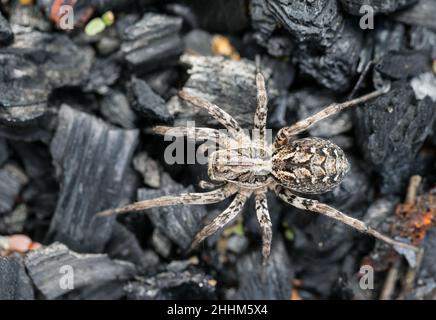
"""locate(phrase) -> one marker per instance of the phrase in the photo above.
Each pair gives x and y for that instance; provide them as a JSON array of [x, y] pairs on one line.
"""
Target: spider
[[244, 166]]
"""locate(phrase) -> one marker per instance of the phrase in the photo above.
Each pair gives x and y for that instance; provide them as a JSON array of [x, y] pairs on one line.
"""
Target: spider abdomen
[[310, 165]]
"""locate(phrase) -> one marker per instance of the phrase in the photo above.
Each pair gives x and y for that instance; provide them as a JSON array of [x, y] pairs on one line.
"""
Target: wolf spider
[[245, 166]]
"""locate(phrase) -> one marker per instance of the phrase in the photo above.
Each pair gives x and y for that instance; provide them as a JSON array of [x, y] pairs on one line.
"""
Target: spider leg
[[186, 198], [285, 133], [222, 219], [190, 133], [216, 112], [316, 206], [265, 223], [262, 106]]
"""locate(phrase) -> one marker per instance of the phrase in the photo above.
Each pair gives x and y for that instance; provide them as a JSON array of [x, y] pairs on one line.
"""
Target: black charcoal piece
[[4, 151], [424, 85], [15, 221], [199, 41], [309, 21], [327, 46], [335, 67], [186, 285], [50, 266], [103, 74], [35, 158], [148, 168], [12, 179], [404, 64], [161, 243], [123, 245], [378, 6], [146, 102], [116, 109], [6, 34], [112, 290], [422, 38], [421, 14], [35, 64], [179, 223], [227, 83], [391, 130], [271, 283], [262, 20], [221, 15], [151, 42], [15, 284], [92, 161], [26, 18]]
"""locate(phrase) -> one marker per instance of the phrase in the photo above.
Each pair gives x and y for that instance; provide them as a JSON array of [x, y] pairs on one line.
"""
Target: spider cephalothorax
[[244, 166]]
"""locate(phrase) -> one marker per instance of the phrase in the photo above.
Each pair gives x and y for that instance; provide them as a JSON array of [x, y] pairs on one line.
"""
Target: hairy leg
[[262, 106], [186, 198], [190, 133], [316, 206], [222, 219], [265, 223], [216, 112], [285, 133]]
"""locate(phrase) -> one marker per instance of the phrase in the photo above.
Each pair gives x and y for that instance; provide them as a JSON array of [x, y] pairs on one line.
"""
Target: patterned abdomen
[[310, 165]]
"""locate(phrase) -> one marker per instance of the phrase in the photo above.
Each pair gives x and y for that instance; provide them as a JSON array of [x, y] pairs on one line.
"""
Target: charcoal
[[280, 46], [424, 85], [161, 243], [35, 64], [12, 179], [6, 34], [15, 284], [237, 244], [327, 47], [424, 39], [35, 158], [124, 246], [162, 82], [227, 83], [103, 74], [46, 268], [420, 14], [391, 130], [102, 157], [178, 223], [146, 102], [116, 108], [27, 18], [199, 41], [14, 222], [335, 67], [112, 290], [152, 42], [148, 168], [378, 6], [262, 20], [274, 282], [314, 21], [108, 44], [427, 272], [404, 64], [4, 151], [221, 15], [170, 285]]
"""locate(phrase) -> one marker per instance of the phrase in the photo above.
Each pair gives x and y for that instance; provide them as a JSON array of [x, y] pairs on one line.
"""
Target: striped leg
[[262, 106], [265, 223], [315, 206], [285, 133], [222, 219], [186, 198]]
